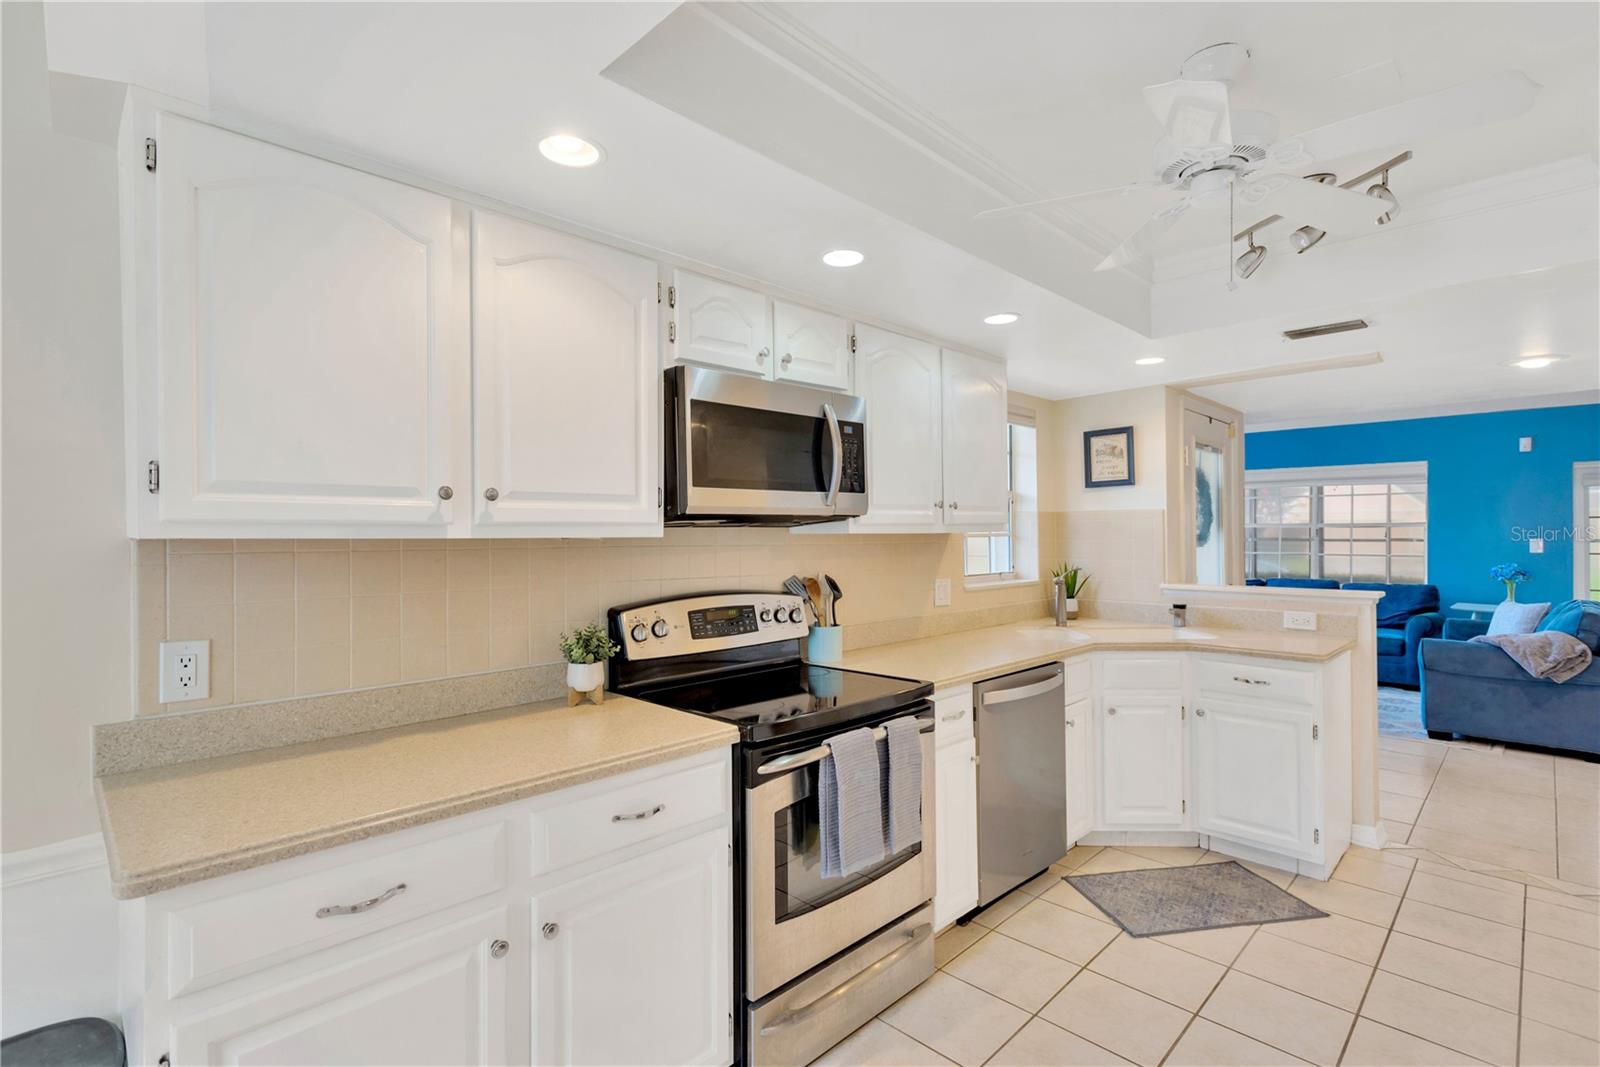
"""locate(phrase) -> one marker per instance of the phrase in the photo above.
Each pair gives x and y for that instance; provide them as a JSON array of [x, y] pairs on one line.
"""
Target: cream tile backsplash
[[1124, 552], [292, 618]]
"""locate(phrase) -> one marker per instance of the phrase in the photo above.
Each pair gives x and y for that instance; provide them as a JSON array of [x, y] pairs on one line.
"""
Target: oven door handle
[[838, 454], [808, 756], [914, 937]]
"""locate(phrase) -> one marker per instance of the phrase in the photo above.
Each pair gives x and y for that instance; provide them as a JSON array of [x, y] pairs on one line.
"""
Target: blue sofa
[[1407, 615], [1479, 691]]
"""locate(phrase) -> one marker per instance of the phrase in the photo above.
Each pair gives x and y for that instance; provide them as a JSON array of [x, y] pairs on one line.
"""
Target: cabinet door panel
[[634, 965], [1254, 773], [304, 343], [956, 832], [1080, 770], [900, 381], [977, 481], [721, 325], [565, 380], [810, 346], [1141, 765], [436, 999]]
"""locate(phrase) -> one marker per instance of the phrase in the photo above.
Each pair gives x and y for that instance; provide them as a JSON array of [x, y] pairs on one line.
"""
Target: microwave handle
[[838, 454]]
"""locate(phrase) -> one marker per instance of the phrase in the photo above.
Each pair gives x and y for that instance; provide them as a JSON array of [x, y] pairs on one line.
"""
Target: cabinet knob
[[550, 930], [787, 359], [1070, 722], [761, 356], [1200, 713], [491, 494], [498, 949], [1111, 711], [938, 503], [954, 505], [445, 492]]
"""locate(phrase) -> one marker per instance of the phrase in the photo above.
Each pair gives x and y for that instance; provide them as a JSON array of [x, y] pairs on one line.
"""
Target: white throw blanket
[[1548, 654]]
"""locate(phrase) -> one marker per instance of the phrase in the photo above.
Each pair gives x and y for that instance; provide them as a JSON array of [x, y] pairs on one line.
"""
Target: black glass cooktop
[[789, 699]]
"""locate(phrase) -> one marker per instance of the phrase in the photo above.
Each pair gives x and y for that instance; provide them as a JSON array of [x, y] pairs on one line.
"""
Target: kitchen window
[[1364, 523], [1011, 554]]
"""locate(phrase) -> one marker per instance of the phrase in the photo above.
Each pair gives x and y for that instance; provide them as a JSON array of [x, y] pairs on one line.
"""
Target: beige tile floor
[[1474, 937]]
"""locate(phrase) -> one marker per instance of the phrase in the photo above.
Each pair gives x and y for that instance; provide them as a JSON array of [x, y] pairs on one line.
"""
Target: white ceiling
[[1045, 95]]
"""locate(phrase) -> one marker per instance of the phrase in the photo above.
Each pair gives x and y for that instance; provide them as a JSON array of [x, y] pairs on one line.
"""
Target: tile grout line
[[1226, 970], [1522, 973], [1355, 1017]]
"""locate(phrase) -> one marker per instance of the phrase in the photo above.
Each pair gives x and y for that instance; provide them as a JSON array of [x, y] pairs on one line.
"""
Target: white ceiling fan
[[1207, 149]]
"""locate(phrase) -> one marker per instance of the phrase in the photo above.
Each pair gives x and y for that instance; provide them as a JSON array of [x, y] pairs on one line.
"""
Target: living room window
[[1011, 554], [1586, 530], [1365, 523]]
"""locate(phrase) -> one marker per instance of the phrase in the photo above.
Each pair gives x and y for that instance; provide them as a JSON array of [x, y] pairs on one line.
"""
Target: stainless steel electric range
[[815, 957]]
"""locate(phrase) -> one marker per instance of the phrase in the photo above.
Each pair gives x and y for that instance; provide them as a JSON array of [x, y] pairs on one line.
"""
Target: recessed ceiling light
[[570, 150], [1003, 318], [843, 257], [1150, 361], [1535, 362]]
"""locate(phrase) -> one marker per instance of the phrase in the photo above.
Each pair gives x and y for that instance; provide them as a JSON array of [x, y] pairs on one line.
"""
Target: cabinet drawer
[[603, 822], [1080, 673], [952, 711], [1244, 678], [1142, 672], [222, 938]]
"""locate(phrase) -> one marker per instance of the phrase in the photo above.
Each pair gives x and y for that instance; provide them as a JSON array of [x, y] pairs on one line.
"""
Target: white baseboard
[[1373, 836], [59, 940]]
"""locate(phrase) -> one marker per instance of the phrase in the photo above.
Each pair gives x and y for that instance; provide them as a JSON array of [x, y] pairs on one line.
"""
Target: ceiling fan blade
[[1142, 243], [1194, 114], [1327, 207], [1461, 107], [1014, 209]]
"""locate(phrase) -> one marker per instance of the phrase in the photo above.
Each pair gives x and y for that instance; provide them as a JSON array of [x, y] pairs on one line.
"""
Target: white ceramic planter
[[586, 677]]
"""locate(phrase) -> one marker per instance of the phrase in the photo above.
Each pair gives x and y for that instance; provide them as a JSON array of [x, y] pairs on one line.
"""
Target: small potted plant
[[1512, 575], [1066, 582], [586, 650]]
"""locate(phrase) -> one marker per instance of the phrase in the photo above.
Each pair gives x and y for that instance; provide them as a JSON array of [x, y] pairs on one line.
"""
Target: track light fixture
[[1250, 258], [1380, 191], [1306, 236]]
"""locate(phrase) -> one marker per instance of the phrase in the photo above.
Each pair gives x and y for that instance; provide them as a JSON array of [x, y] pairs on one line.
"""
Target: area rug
[[1400, 713], [1176, 900]]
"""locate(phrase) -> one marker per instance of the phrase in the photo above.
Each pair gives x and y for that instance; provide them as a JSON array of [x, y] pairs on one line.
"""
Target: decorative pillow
[[1580, 618], [1514, 618]]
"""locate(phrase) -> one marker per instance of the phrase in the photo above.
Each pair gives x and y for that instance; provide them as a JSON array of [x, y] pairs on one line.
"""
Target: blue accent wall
[[1480, 488]]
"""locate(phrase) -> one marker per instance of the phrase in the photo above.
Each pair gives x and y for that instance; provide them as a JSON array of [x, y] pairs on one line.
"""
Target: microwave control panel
[[853, 470]]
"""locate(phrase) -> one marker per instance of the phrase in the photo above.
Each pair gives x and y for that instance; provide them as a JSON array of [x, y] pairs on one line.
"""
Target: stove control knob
[[766, 614], [795, 615], [660, 628], [638, 633]]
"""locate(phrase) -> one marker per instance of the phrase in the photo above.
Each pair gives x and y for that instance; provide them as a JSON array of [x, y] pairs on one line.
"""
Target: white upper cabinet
[[720, 325], [295, 355], [810, 346], [565, 384], [900, 380], [976, 474]]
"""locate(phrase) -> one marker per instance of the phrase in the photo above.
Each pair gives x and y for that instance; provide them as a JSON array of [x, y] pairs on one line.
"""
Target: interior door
[[437, 998], [1141, 764], [956, 829], [304, 338], [1080, 770], [899, 378], [566, 412], [720, 325], [635, 964], [1213, 502], [1255, 773], [977, 478], [810, 346]]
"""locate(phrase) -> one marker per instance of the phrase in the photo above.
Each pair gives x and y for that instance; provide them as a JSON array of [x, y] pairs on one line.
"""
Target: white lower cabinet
[[1141, 762], [634, 965], [1080, 768], [1255, 775], [956, 824]]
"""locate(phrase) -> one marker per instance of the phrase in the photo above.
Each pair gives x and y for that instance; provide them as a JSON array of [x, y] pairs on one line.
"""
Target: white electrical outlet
[[1299, 620], [185, 670], [941, 592], [1536, 545]]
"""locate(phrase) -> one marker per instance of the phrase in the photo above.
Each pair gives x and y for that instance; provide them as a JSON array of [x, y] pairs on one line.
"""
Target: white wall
[[63, 550], [1143, 409]]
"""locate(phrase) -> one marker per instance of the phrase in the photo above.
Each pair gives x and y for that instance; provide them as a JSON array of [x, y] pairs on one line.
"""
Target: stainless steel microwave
[[745, 452]]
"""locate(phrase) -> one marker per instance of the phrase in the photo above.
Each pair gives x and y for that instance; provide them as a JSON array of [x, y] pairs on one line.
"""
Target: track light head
[[1305, 237], [1250, 258], [1380, 191]]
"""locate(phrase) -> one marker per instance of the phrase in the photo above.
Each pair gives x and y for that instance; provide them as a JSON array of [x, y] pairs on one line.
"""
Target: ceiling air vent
[[1322, 331]]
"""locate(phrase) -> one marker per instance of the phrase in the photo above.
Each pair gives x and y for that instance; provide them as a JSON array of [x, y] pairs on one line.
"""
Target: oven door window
[[797, 844], [750, 448]]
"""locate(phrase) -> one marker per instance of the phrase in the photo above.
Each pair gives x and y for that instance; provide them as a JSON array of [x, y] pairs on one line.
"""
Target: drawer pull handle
[[637, 815], [1251, 681], [952, 718], [365, 905]]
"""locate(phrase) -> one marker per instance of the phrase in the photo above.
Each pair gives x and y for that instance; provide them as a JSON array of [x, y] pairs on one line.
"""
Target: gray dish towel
[[850, 800], [902, 783]]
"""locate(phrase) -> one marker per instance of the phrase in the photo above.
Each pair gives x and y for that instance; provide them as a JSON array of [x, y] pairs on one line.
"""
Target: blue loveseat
[[1479, 691], [1407, 615]]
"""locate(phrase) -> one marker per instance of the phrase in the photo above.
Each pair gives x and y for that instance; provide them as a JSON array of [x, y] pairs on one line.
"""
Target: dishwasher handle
[[1021, 692]]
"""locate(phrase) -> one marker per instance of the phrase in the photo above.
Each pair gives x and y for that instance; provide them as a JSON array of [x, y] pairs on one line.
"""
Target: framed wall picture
[[1108, 457]]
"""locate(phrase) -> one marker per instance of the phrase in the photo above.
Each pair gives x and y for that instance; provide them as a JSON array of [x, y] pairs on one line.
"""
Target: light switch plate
[[185, 671], [941, 592], [1299, 620]]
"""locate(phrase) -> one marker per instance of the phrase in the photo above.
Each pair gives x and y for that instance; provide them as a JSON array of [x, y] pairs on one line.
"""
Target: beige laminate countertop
[[173, 825], [971, 655]]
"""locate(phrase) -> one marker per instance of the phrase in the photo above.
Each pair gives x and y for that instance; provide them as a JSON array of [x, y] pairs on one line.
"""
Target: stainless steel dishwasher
[[1022, 777]]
